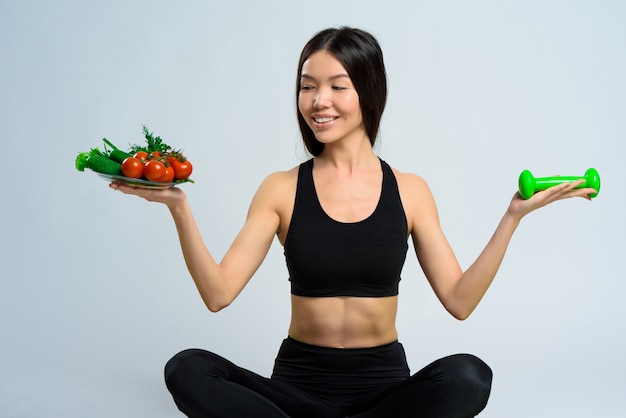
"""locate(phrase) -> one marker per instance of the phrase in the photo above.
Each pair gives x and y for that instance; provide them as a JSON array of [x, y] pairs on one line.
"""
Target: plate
[[145, 184]]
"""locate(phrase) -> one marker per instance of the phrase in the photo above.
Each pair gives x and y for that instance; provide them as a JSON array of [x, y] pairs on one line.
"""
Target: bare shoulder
[[417, 199], [283, 176], [277, 195], [279, 182], [411, 186]]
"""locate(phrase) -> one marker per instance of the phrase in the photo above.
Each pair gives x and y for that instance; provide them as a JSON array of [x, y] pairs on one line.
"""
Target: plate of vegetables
[[153, 165]]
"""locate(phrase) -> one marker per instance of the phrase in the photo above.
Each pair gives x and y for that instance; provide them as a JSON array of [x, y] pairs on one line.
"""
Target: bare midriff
[[344, 322]]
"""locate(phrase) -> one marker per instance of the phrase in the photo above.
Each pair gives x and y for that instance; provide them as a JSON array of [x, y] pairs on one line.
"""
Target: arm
[[460, 292], [220, 283]]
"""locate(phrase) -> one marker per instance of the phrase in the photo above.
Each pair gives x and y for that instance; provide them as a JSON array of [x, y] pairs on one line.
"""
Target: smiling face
[[352, 52], [328, 101]]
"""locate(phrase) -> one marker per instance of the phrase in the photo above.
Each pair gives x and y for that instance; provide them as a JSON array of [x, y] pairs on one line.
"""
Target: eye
[[306, 87], [339, 88]]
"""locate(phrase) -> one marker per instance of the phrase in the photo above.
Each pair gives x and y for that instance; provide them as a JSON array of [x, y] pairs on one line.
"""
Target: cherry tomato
[[168, 177], [182, 169], [141, 155], [155, 154], [154, 170], [132, 167]]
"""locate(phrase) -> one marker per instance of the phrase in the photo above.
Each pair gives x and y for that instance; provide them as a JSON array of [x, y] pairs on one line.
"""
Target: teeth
[[324, 120]]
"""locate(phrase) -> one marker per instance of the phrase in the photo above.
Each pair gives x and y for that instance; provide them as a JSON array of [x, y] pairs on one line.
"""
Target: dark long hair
[[360, 54]]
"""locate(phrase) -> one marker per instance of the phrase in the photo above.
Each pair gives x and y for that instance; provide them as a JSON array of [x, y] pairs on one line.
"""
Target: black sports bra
[[326, 257]]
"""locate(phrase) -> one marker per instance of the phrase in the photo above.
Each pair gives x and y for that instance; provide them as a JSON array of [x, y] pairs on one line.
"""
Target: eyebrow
[[334, 77]]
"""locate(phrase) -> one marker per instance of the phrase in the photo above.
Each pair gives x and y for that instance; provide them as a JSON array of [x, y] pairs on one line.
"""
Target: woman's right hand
[[171, 197], [519, 207]]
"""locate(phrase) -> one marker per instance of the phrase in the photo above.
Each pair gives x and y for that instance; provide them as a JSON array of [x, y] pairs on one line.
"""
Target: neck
[[348, 157]]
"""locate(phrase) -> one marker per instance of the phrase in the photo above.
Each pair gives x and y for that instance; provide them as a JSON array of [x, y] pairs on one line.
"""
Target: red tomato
[[154, 170], [132, 167], [155, 154], [182, 169], [168, 177], [141, 155]]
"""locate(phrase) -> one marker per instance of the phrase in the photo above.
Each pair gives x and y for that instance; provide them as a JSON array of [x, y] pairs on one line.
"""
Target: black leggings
[[319, 382]]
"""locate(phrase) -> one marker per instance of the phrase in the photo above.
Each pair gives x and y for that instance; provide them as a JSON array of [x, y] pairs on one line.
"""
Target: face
[[328, 101]]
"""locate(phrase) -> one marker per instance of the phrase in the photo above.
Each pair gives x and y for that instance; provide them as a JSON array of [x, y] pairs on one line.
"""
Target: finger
[[569, 193], [561, 191], [565, 186], [129, 189], [124, 188]]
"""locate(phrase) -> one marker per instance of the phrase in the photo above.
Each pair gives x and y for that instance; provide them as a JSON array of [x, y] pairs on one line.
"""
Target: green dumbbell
[[529, 185]]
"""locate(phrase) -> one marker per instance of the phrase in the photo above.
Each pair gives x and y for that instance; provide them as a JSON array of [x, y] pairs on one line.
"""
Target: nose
[[320, 101]]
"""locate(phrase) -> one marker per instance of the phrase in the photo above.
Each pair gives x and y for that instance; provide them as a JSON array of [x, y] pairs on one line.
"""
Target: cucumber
[[97, 161], [116, 154], [104, 165], [119, 155]]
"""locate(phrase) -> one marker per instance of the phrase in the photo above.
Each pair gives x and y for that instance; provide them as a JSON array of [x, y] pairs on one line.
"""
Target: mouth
[[324, 120]]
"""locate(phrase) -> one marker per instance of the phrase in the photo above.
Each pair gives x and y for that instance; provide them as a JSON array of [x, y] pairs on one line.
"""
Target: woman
[[344, 218]]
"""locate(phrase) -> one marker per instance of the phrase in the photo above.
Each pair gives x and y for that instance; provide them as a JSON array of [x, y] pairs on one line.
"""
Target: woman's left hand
[[518, 208]]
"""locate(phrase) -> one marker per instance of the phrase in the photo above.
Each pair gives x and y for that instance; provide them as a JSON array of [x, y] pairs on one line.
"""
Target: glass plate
[[137, 182]]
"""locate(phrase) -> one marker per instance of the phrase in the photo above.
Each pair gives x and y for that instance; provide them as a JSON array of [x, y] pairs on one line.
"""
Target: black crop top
[[326, 257]]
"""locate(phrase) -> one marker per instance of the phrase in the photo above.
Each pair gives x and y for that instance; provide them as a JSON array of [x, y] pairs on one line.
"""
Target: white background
[[94, 294]]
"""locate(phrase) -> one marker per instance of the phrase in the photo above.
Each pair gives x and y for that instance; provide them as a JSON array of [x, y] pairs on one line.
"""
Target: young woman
[[344, 218]]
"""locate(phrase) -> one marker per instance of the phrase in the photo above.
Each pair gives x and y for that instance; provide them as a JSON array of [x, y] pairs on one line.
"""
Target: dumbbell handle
[[529, 185]]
